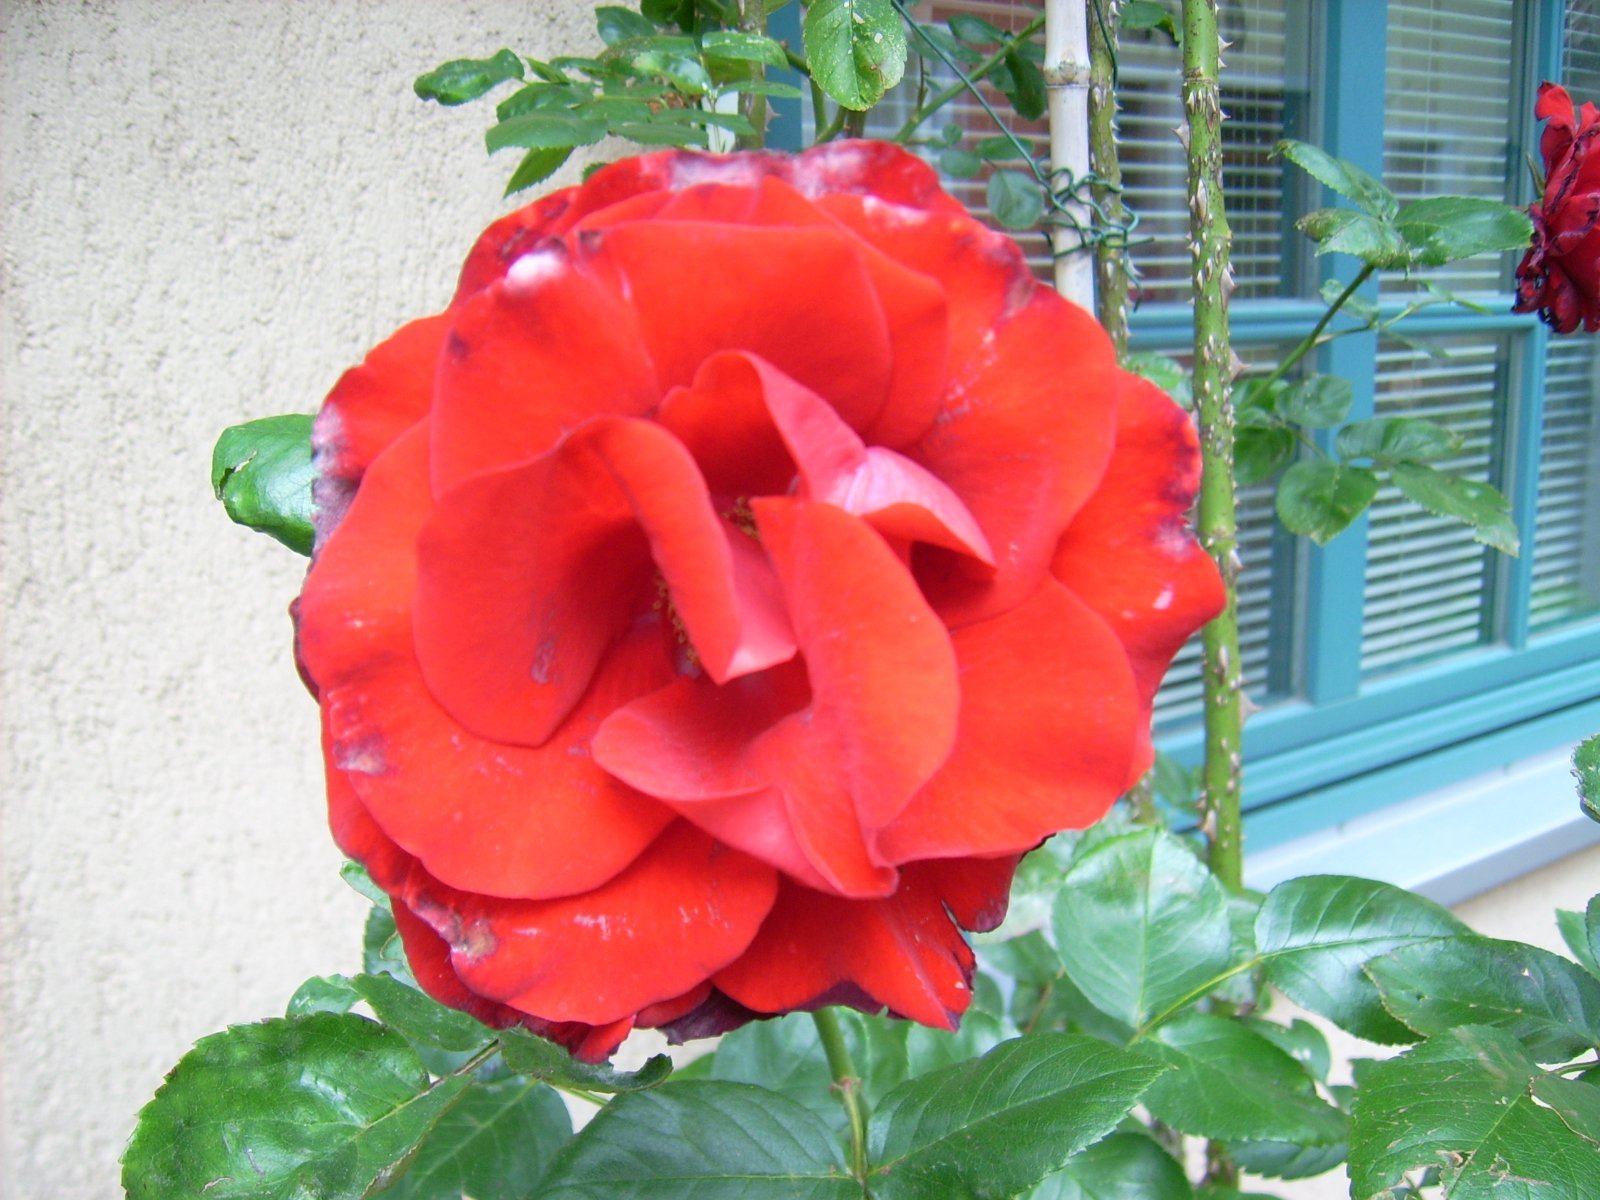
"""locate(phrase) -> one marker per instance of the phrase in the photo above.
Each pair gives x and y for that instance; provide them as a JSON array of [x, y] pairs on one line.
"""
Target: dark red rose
[[1560, 275], [714, 602]]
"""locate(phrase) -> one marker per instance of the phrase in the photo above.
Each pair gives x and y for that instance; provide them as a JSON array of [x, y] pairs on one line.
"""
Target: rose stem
[[941, 98], [753, 19], [1111, 270], [1213, 379], [847, 1083]]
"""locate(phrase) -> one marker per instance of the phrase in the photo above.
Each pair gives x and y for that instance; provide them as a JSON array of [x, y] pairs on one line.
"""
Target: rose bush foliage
[[714, 602], [1559, 277]]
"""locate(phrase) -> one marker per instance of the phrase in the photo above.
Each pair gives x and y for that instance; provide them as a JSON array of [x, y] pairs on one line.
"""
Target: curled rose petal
[[713, 603], [1559, 277]]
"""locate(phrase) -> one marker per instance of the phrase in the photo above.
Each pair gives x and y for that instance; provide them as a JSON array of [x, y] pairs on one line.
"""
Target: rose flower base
[[714, 602]]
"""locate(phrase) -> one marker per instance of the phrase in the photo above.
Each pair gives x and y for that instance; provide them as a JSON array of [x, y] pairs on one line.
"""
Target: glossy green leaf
[[1321, 401], [1314, 934], [974, 30], [464, 79], [1481, 507], [1299, 1039], [998, 1124], [493, 1144], [261, 471], [668, 12], [327, 1105], [1230, 1082], [1397, 439], [680, 67], [1462, 1102], [701, 1140], [540, 1058], [1121, 1166], [1550, 1005], [930, 40], [536, 166], [1346, 178], [1015, 200], [1318, 499], [418, 1016], [1345, 231], [1260, 452], [1147, 14], [1287, 1160], [323, 993], [785, 1055], [616, 24], [734, 45], [1575, 1101], [1443, 229], [1027, 93], [1140, 923], [381, 950], [662, 135], [544, 131], [1166, 373], [536, 96], [1576, 932], [856, 49], [1586, 766]]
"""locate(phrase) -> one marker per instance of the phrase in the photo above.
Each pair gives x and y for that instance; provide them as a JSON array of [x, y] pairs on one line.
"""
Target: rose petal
[[684, 910], [502, 820], [527, 575], [527, 360], [1023, 477], [1130, 554], [818, 319], [1049, 718], [903, 952]]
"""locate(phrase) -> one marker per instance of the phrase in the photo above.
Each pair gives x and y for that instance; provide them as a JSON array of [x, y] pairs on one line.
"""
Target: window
[[1405, 654]]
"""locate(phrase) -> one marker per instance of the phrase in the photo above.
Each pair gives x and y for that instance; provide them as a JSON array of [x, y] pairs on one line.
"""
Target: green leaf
[[323, 993], [1397, 439], [960, 164], [492, 1145], [1000, 148], [975, 31], [381, 950], [1349, 180], [418, 1016], [1479, 506], [1319, 499], [785, 1055], [1167, 374], [1462, 1102], [1299, 1039], [1014, 199], [1580, 935], [1443, 229], [354, 874], [539, 1058], [1577, 1104], [930, 39], [1147, 14], [464, 79], [262, 473], [1315, 933], [1321, 401], [1547, 1003], [701, 1140], [997, 1124], [734, 45], [1122, 1166], [1027, 94], [1233, 1083], [1286, 1160], [618, 24], [328, 1105], [1346, 231], [1259, 452], [544, 131], [856, 49], [536, 166], [662, 135], [1140, 923], [668, 12], [1355, 306], [1586, 766], [681, 68]]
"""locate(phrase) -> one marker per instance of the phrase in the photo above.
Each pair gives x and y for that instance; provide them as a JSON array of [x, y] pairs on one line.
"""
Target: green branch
[[848, 1085], [965, 82]]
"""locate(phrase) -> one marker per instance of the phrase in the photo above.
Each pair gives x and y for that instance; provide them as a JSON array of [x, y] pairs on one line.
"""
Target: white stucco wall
[[210, 210]]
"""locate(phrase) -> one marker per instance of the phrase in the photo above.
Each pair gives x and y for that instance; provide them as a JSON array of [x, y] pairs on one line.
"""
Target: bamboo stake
[[1066, 78]]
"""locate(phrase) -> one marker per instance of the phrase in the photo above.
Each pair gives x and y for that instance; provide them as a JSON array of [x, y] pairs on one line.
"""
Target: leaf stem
[[848, 1085], [945, 95], [753, 20], [1311, 341]]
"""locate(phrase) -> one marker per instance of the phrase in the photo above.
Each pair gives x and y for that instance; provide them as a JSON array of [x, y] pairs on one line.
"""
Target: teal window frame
[[1342, 746]]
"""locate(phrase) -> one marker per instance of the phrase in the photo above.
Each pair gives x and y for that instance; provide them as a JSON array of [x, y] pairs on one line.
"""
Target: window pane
[[1264, 88], [1566, 543], [1448, 91], [1427, 589]]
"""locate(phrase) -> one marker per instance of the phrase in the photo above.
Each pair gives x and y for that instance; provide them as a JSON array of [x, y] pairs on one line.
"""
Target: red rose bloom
[[714, 602], [1560, 274]]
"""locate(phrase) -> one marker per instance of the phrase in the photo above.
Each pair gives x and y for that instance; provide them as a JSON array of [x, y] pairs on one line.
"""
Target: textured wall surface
[[210, 209]]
